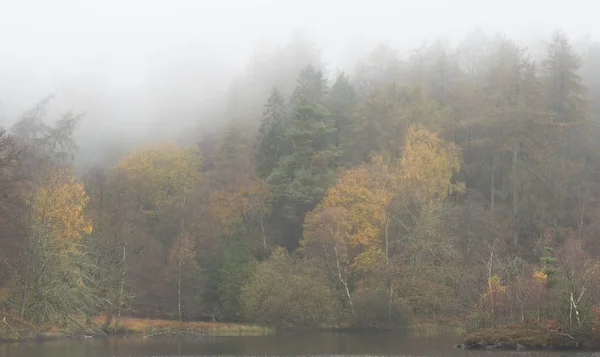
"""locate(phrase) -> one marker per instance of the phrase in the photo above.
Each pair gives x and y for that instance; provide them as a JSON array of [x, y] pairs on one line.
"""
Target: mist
[[150, 70]]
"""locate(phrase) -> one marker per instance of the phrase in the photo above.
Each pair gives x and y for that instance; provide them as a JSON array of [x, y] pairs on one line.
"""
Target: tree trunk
[[182, 233], [25, 287], [387, 263], [264, 237], [514, 197], [121, 290], [179, 295], [344, 282], [492, 186]]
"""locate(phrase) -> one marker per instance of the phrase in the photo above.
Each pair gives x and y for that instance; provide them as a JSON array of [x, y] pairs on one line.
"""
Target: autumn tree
[[161, 179], [59, 266], [44, 148]]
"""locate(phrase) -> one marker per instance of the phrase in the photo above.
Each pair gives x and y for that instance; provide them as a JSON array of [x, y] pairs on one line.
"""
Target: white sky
[[99, 48], [46, 36]]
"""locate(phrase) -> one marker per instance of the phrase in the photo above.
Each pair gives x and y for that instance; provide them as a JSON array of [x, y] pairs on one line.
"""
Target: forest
[[452, 182]]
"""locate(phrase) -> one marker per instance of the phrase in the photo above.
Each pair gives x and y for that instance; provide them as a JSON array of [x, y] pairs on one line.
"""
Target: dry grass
[[15, 329], [133, 325]]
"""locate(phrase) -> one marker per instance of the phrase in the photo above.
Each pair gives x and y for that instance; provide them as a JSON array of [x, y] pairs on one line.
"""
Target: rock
[[520, 347], [473, 346], [492, 347], [505, 346], [458, 346]]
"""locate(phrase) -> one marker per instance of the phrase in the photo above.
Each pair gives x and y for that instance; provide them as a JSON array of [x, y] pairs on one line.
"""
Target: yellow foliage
[[231, 203], [365, 260], [540, 277], [58, 207], [162, 171], [495, 285], [428, 164], [356, 192], [354, 212]]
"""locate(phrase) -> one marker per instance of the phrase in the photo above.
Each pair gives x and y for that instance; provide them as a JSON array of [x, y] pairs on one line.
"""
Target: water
[[325, 344]]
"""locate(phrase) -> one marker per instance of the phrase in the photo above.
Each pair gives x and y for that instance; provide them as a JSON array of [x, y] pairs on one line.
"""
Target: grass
[[17, 330], [139, 326], [13, 329]]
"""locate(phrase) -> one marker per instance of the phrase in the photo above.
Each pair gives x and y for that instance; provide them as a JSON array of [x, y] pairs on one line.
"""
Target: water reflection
[[368, 343]]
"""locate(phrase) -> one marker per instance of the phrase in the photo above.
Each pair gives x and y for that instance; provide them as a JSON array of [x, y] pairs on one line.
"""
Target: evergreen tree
[[237, 267], [271, 144], [341, 104], [303, 175], [564, 90], [311, 85]]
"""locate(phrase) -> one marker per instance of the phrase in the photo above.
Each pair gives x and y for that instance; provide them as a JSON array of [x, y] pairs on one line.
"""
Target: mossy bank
[[530, 336]]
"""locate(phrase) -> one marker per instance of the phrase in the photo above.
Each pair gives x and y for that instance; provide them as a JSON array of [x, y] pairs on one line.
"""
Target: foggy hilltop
[[144, 71], [300, 164]]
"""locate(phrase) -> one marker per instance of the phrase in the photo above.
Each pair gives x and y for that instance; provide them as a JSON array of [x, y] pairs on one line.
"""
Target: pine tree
[[311, 85], [564, 90], [341, 105], [302, 176], [271, 144]]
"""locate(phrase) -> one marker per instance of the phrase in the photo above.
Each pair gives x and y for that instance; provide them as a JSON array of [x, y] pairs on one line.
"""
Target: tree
[[288, 292], [428, 165], [59, 267], [564, 91], [181, 257], [44, 147], [160, 179], [326, 234], [341, 103], [160, 173], [311, 86], [236, 269], [272, 144], [302, 177]]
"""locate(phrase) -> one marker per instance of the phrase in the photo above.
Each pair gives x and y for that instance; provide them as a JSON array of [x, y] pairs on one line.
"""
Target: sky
[[134, 64]]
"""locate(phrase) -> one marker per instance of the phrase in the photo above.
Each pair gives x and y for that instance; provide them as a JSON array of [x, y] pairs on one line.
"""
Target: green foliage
[[373, 310], [421, 186], [237, 267], [288, 292], [341, 103], [548, 260], [272, 144], [61, 284], [302, 177], [311, 85]]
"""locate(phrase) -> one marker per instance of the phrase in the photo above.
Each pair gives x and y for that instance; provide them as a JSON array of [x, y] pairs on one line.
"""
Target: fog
[[151, 70]]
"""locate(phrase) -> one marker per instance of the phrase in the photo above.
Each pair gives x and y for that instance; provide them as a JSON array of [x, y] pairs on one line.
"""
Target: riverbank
[[15, 330], [531, 336]]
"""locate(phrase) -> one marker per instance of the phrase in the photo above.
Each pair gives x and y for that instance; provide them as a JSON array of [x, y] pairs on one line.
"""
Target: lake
[[322, 343]]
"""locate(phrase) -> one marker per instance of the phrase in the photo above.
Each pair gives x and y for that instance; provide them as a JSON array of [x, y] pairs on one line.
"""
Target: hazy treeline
[[445, 183]]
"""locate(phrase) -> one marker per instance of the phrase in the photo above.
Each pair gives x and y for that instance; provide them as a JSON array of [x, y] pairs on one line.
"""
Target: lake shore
[[527, 336], [15, 330], [156, 328]]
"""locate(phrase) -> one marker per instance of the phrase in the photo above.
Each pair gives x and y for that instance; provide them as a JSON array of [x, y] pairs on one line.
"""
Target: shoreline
[[157, 328], [129, 327], [528, 336]]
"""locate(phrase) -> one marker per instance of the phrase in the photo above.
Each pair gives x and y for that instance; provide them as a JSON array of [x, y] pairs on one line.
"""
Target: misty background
[[152, 70]]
